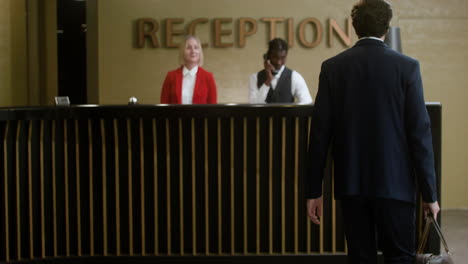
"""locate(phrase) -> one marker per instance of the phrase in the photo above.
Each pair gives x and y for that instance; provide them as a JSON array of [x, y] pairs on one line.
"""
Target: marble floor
[[455, 230]]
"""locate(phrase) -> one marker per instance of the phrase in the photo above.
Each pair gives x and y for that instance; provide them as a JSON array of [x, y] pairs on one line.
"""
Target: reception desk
[[166, 184]]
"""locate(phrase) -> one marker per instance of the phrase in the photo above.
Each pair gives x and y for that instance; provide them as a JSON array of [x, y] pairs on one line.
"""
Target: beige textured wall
[[127, 71], [434, 32], [13, 64]]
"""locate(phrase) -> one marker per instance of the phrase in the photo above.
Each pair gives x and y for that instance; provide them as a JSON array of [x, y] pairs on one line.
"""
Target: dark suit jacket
[[203, 93], [370, 107]]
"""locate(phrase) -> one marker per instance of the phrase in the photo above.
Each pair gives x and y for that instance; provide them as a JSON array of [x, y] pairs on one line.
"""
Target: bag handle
[[425, 235], [422, 243]]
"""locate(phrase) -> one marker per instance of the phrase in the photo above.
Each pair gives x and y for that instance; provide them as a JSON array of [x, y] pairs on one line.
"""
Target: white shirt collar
[[280, 71], [192, 72], [372, 38]]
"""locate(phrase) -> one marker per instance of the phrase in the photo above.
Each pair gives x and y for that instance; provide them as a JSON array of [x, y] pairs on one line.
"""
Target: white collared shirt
[[188, 84], [372, 38], [299, 88]]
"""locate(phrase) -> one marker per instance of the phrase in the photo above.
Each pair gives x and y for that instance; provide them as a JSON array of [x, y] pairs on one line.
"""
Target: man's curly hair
[[371, 18]]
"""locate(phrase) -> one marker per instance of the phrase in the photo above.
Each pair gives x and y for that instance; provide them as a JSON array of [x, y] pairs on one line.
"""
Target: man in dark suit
[[370, 108]]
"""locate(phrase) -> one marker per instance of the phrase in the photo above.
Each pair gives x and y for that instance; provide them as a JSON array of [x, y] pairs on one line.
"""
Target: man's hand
[[314, 209], [432, 208], [268, 68]]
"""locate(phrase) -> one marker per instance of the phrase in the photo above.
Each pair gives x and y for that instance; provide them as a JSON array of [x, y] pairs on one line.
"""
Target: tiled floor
[[455, 230]]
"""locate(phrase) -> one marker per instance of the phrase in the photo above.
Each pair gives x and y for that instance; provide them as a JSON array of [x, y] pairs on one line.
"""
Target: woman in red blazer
[[190, 83]]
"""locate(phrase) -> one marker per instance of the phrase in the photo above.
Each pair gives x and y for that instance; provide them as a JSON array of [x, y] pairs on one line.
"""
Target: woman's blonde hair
[[182, 49]]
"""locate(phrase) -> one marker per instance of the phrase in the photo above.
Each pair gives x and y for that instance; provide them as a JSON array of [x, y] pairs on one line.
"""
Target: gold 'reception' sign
[[162, 34]]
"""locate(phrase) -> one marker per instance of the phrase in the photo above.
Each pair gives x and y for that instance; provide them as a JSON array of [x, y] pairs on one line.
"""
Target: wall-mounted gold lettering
[[272, 21], [243, 32], [170, 31], [147, 28], [309, 31], [192, 26], [318, 32], [333, 27], [222, 32]]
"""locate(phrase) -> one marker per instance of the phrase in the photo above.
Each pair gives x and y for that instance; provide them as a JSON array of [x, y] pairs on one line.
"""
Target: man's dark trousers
[[388, 221]]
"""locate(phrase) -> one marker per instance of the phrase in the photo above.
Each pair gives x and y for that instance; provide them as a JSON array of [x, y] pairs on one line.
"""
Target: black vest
[[282, 92]]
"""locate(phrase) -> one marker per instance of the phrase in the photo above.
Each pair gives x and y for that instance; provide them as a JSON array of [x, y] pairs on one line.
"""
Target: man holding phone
[[276, 83]]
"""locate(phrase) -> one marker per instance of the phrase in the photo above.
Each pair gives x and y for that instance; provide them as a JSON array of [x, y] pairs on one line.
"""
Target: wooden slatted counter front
[[165, 184]]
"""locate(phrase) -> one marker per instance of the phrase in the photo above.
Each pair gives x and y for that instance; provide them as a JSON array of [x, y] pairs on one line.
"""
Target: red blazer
[[203, 93]]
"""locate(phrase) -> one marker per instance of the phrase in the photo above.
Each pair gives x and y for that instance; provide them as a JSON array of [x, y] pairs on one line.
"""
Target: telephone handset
[[265, 58]]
